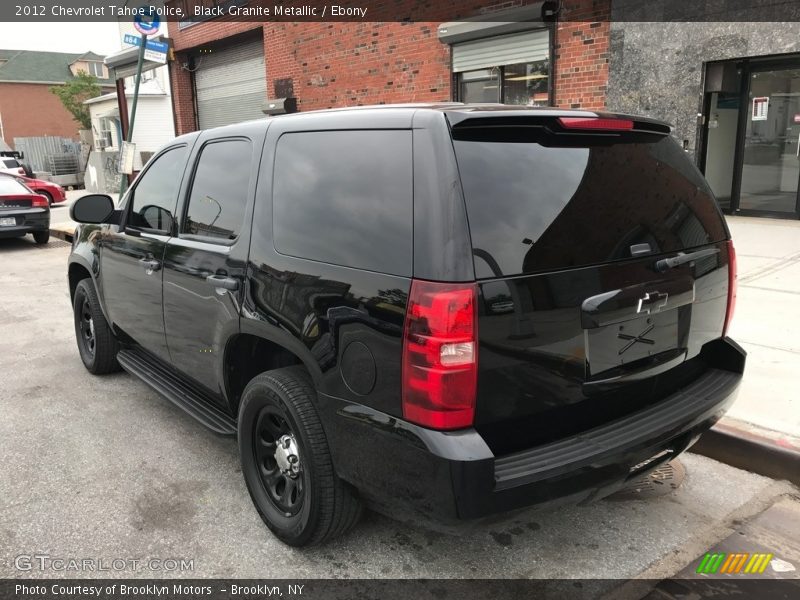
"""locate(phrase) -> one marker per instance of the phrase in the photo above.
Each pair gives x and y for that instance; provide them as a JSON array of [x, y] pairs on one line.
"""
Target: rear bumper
[[417, 474], [28, 221]]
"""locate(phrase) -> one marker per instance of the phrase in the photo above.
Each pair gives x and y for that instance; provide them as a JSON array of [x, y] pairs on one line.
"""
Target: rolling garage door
[[231, 85]]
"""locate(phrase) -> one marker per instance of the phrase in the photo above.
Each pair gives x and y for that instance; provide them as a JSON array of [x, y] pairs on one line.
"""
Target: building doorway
[[751, 136]]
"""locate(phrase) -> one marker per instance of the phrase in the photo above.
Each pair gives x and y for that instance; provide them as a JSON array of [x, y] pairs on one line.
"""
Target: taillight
[[596, 123], [731, 286], [39, 202], [440, 355]]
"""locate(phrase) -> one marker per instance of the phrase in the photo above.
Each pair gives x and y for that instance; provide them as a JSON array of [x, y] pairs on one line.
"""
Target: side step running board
[[176, 391]]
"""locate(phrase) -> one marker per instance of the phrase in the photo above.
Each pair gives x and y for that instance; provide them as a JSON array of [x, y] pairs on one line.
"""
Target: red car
[[22, 211], [52, 191]]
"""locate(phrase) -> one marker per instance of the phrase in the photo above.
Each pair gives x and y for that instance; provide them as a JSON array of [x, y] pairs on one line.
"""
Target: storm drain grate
[[658, 482]]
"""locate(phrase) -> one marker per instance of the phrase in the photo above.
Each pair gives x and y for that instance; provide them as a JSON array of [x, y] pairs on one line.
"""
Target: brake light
[[38, 201], [732, 285], [440, 355], [596, 123]]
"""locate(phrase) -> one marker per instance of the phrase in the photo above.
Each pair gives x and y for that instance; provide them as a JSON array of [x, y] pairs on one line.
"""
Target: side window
[[155, 195], [219, 190], [345, 197]]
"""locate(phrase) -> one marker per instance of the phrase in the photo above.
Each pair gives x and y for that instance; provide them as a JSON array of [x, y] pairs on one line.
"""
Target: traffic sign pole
[[123, 184]]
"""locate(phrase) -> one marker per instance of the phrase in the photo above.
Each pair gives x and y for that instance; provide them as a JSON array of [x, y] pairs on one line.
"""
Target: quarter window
[[345, 197], [219, 190], [155, 195]]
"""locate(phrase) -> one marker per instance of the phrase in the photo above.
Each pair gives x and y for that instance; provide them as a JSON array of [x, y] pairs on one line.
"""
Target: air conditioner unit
[[101, 144]]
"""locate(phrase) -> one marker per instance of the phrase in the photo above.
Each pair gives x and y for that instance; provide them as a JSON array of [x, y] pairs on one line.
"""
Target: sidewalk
[[766, 322]]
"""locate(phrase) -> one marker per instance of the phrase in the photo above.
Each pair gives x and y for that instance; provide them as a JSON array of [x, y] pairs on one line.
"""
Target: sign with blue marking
[[135, 40], [147, 24]]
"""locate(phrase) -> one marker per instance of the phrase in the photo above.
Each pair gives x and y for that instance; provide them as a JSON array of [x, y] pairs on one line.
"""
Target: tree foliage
[[74, 93]]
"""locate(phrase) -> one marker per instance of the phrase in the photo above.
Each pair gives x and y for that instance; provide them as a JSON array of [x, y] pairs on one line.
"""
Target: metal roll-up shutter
[[231, 85], [527, 46]]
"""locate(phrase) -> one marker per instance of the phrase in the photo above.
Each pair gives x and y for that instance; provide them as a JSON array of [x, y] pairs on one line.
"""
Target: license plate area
[[632, 342], [8, 221]]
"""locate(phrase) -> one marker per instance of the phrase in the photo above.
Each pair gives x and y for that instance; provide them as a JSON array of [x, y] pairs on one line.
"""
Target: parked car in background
[[439, 311], [52, 191], [22, 211], [11, 166]]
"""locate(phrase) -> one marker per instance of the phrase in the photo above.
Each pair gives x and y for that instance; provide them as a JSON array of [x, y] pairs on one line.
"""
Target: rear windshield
[[535, 208], [9, 185], [10, 163]]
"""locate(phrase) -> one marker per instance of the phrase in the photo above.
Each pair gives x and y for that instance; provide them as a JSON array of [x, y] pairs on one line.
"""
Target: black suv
[[441, 311]]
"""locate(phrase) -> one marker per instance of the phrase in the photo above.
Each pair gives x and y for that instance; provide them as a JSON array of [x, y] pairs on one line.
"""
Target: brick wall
[[582, 54], [344, 64], [30, 109]]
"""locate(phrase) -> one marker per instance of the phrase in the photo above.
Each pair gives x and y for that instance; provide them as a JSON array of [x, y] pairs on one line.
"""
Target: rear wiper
[[670, 263]]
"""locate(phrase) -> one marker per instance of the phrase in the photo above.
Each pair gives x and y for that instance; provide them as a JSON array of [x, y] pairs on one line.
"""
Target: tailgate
[[577, 325]]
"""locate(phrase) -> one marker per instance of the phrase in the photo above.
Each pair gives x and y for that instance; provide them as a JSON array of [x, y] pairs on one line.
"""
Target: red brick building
[[225, 70], [27, 106]]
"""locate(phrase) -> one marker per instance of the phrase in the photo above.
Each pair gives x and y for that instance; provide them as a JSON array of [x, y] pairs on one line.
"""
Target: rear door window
[[535, 208], [219, 190], [345, 197]]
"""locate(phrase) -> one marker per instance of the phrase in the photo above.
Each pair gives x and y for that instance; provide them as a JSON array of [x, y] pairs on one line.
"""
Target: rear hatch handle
[[676, 261]]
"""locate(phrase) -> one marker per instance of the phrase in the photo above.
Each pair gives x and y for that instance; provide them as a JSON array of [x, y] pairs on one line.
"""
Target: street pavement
[[104, 468]]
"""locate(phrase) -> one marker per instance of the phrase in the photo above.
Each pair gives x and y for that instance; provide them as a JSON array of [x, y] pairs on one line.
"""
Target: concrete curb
[[753, 449], [63, 231]]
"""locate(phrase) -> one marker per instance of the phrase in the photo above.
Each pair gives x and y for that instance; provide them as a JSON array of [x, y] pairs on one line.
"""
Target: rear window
[[9, 185], [534, 208], [10, 163]]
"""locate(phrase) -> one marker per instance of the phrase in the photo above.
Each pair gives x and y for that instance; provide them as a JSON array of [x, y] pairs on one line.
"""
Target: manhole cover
[[659, 482]]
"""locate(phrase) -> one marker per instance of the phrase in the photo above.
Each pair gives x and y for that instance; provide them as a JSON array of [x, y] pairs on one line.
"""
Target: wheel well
[[249, 355], [76, 274]]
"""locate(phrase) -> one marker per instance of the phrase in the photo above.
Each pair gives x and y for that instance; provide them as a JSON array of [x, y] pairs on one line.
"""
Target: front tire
[[286, 461], [46, 195], [96, 343], [41, 237]]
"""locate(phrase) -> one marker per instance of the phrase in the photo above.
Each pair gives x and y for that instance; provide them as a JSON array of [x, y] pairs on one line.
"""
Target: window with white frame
[[96, 69]]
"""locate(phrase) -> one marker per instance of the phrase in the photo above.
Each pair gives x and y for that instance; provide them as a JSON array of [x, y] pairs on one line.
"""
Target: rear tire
[[41, 237], [294, 488], [96, 343]]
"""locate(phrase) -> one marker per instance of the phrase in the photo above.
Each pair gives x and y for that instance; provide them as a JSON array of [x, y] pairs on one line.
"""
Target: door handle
[[150, 264], [222, 282]]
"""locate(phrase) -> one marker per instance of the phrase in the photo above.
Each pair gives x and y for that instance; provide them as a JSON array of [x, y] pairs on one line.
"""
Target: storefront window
[[524, 84], [480, 86]]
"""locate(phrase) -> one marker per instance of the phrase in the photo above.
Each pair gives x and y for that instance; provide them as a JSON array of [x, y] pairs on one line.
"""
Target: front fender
[[86, 254]]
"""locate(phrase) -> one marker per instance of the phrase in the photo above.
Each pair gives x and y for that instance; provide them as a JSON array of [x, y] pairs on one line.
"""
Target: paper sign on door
[[760, 108]]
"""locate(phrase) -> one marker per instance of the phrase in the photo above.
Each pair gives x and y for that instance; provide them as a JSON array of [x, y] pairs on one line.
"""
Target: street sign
[[135, 40], [153, 56], [147, 24]]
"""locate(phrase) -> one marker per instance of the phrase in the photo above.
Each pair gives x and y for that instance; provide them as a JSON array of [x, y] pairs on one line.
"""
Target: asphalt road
[[103, 468]]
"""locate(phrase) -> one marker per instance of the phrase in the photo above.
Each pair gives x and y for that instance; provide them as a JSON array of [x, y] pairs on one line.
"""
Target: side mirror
[[94, 208]]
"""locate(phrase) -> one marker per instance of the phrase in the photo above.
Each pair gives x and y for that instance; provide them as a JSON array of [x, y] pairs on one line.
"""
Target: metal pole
[[124, 180]]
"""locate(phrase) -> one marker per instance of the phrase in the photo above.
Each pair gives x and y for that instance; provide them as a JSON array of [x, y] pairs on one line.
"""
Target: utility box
[[280, 106]]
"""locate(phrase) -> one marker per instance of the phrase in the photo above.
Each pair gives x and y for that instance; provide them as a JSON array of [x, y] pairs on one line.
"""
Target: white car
[[11, 166]]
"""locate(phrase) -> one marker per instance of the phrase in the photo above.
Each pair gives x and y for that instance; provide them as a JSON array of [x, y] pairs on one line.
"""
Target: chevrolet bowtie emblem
[[652, 303]]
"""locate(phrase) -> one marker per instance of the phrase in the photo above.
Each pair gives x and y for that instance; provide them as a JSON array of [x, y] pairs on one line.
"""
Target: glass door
[[771, 152]]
